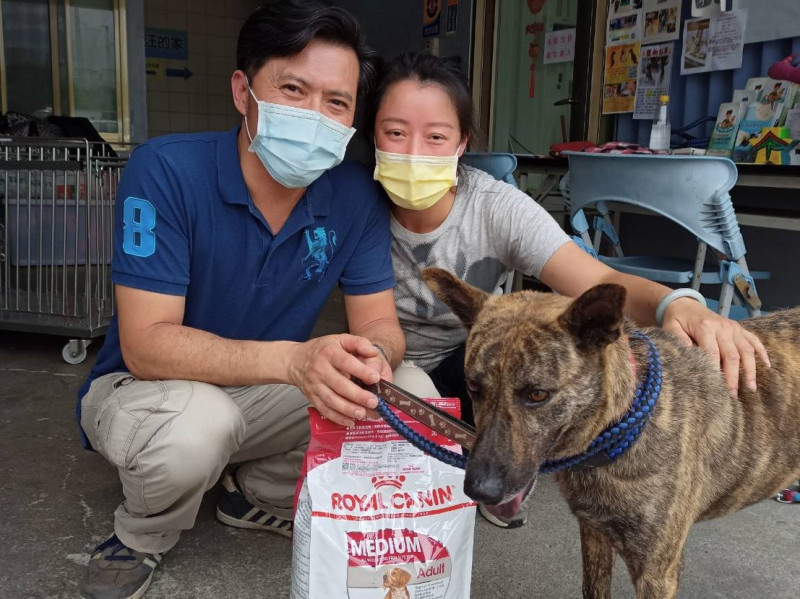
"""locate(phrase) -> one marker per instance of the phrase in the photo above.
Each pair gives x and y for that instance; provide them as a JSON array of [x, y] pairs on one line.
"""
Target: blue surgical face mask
[[296, 145]]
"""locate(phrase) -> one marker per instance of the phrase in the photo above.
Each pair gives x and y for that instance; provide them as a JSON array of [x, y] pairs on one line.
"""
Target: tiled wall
[[203, 101]]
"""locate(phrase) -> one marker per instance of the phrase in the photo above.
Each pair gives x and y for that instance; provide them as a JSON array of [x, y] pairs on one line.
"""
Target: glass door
[[94, 63], [533, 91]]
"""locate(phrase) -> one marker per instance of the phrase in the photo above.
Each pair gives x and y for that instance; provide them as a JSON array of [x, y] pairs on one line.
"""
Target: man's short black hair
[[280, 28]]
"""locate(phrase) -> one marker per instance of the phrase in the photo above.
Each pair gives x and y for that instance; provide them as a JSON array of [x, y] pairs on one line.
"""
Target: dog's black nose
[[484, 486]]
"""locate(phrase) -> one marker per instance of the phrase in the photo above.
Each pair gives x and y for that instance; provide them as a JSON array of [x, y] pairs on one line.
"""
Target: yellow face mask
[[415, 182]]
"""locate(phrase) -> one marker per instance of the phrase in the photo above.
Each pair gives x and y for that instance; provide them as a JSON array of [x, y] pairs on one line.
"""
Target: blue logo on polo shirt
[[320, 252], [139, 220]]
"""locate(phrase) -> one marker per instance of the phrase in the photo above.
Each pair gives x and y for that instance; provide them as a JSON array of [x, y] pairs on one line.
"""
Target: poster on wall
[[618, 7], [431, 15], [770, 19], [654, 74], [714, 43], [706, 8], [624, 28], [451, 21], [661, 20], [559, 46], [619, 84]]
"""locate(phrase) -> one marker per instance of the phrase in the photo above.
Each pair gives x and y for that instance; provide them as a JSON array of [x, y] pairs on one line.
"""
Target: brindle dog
[[547, 374]]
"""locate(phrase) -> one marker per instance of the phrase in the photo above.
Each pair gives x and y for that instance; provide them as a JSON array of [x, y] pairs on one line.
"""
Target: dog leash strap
[[421, 411]]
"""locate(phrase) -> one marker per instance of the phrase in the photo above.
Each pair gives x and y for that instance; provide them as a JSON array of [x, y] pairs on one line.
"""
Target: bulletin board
[[698, 96]]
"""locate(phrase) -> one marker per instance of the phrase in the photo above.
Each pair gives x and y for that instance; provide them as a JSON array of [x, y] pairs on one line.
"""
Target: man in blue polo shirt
[[227, 245]]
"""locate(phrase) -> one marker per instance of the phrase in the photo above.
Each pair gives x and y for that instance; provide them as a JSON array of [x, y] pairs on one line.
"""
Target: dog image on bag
[[547, 374], [396, 580]]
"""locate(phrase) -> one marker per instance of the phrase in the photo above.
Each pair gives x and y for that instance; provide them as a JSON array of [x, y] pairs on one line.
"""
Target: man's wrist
[[381, 349]]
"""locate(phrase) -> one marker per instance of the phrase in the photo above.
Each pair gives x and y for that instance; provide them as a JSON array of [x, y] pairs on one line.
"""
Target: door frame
[[483, 68]]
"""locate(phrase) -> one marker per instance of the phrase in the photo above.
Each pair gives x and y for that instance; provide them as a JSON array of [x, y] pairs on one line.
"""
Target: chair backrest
[[692, 191], [498, 165]]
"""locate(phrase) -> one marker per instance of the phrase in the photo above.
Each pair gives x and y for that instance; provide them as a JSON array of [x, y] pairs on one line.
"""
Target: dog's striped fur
[[702, 455]]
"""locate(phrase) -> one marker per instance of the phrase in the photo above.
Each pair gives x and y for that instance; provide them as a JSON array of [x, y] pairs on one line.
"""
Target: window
[[27, 59], [66, 57]]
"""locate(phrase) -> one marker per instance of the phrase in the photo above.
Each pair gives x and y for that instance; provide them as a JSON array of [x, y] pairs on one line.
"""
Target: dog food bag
[[376, 518]]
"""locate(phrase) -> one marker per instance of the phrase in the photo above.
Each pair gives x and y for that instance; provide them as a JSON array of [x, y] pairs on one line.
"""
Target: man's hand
[[727, 342], [323, 368], [380, 362]]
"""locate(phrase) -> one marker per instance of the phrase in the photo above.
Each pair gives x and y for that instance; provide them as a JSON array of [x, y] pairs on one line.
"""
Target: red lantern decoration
[[535, 5]]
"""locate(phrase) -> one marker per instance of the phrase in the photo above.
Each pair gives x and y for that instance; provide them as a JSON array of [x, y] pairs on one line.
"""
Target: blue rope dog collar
[[618, 438], [604, 449]]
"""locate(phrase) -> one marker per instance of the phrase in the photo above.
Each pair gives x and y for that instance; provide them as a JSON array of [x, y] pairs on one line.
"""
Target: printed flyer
[[706, 8], [714, 43], [617, 7], [559, 46], [624, 28], [621, 68], [661, 21], [655, 67]]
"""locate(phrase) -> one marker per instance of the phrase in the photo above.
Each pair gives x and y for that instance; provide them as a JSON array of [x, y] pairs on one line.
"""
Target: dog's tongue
[[508, 510]]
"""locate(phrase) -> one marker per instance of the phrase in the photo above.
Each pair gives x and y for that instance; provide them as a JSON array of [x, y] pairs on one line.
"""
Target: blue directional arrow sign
[[184, 72]]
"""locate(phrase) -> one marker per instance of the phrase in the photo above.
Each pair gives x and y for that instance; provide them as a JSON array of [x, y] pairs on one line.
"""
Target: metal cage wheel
[[74, 352]]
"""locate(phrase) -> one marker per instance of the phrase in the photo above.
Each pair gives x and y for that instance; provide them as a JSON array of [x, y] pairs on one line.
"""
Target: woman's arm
[[570, 271]]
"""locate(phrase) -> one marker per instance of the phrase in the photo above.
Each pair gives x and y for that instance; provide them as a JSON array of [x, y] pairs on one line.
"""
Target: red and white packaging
[[376, 518]]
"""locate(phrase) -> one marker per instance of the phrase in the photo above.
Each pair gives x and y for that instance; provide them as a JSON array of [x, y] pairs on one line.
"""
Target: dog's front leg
[[598, 561], [656, 567], [659, 583]]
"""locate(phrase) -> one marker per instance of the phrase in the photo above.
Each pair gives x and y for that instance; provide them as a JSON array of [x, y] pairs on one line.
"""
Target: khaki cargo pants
[[170, 441]]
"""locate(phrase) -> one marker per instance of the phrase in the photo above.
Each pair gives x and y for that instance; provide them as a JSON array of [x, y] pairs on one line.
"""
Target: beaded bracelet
[[672, 296]]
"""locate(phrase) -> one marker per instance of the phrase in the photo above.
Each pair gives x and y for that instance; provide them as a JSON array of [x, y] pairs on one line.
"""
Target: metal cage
[[57, 201]]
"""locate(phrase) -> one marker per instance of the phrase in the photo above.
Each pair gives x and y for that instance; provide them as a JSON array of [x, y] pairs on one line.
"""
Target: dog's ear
[[464, 300], [595, 318]]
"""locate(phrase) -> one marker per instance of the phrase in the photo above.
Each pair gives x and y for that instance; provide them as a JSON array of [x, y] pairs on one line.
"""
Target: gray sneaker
[[118, 572]]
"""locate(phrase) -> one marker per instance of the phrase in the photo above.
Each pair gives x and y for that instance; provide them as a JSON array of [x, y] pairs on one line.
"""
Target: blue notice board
[[166, 43]]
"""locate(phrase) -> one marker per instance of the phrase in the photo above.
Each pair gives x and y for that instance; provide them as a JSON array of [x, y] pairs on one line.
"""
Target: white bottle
[[661, 132]]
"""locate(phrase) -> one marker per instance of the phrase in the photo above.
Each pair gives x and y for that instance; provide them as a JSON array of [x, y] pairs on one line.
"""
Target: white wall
[[202, 102]]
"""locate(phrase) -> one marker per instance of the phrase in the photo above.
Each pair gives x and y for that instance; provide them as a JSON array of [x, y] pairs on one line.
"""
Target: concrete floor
[[59, 501]]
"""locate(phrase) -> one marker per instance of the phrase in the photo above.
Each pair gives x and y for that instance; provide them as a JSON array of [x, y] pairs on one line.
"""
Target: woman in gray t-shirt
[[461, 219]]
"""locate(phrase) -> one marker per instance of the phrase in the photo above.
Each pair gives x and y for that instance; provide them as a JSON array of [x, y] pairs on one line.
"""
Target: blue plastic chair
[[500, 166], [692, 191]]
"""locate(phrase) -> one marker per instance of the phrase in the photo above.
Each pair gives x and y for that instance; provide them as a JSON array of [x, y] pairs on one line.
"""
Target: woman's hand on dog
[[571, 271], [728, 343]]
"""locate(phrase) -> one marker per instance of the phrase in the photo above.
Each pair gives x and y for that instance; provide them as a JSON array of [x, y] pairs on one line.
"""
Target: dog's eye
[[537, 396], [472, 386]]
